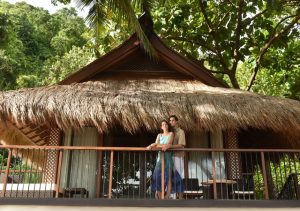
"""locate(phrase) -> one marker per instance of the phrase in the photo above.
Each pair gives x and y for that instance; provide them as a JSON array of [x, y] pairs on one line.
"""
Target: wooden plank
[[36, 139], [186, 164], [147, 204], [33, 132], [46, 135], [214, 176], [145, 149], [40, 142], [110, 174], [23, 171], [140, 75], [41, 134], [60, 158], [265, 179], [162, 175], [99, 166], [25, 130]]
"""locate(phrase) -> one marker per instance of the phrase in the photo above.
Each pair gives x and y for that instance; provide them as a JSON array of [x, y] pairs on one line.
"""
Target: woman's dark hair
[[173, 116], [169, 126]]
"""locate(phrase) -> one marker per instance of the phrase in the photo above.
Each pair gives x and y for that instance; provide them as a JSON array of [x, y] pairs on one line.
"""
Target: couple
[[171, 136]]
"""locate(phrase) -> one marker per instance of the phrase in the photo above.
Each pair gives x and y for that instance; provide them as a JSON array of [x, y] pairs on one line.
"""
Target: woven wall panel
[[233, 159], [52, 156]]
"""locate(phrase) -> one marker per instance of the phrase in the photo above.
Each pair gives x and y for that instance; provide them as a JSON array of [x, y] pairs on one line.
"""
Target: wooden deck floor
[[77, 208]]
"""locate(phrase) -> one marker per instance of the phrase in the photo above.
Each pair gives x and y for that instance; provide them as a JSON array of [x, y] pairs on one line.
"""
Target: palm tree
[[124, 10]]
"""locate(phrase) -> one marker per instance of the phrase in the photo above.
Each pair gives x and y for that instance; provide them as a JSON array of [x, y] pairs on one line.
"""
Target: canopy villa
[[86, 136]]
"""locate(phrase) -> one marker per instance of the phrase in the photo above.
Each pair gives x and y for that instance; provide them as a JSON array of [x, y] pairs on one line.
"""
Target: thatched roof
[[135, 104]]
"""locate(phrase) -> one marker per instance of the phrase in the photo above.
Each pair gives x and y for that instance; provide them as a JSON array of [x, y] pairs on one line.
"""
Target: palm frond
[[126, 12]]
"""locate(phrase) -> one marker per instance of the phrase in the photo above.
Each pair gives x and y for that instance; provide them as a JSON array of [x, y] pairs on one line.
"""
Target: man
[[179, 142]]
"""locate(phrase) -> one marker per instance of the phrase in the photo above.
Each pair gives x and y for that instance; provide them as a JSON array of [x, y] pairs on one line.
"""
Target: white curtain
[[79, 167], [200, 163]]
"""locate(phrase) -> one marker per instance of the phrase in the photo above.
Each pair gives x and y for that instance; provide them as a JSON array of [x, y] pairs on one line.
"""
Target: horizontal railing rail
[[137, 172], [143, 148]]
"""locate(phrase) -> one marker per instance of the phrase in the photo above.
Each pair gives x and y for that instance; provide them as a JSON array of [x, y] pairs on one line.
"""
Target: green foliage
[[70, 29], [279, 172], [59, 68], [30, 38], [210, 33], [29, 174], [258, 184]]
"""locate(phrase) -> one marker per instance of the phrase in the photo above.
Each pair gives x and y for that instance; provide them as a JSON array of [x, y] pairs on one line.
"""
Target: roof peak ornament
[[146, 23]]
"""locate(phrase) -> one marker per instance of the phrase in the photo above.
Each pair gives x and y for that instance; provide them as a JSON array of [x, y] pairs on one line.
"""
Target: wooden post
[[162, 175], [99, 166], [214, 176], [296, 182], [6, 172], [60, 157], [186, 164], [143, 174], [265, 179], [99, 174], [110, 174]]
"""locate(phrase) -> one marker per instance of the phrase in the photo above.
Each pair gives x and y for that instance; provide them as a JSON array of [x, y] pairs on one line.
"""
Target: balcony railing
[[121, 172]]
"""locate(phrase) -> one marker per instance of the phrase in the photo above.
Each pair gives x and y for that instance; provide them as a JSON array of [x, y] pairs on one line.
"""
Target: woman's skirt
[[176, 180]]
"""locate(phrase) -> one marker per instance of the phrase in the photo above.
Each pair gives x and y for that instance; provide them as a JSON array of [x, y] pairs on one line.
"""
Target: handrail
[[142, 149], [21, 171], [142, 159]]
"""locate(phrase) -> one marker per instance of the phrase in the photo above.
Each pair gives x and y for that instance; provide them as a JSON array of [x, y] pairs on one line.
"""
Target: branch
[[274, 36], [213, 34], [236, 53], [191, 57], [230, 3], [284, 19], [249, 20], [201, 63], [215, 71], [190, 41], [226, 14]]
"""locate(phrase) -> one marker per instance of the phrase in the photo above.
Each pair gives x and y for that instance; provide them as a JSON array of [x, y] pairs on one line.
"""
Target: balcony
[[126, 173]]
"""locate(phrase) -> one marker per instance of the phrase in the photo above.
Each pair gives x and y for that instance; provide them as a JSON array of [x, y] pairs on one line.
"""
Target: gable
[[128, 61], [140, 66]]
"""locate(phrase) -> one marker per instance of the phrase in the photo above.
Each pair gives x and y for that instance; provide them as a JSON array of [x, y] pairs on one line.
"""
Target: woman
[[171, 177]]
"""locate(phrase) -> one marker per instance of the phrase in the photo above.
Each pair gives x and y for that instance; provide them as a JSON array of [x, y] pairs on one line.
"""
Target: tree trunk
[[233, 81]]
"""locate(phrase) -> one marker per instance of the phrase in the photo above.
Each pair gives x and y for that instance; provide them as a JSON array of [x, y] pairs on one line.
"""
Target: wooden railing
[[122, 172]]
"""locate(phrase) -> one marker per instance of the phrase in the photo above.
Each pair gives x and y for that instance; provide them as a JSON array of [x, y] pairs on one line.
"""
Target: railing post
[[186, 164], [143, 175], [6, 172], [99, 174], [162, 175], [60, 157], [110, 174], [265, 179], [214, 176]]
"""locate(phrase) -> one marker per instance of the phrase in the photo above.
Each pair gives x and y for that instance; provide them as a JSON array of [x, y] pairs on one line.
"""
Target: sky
[[46, 4]]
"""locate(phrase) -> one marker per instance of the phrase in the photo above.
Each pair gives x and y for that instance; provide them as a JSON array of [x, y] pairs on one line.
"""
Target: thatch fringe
[[136, 103]]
